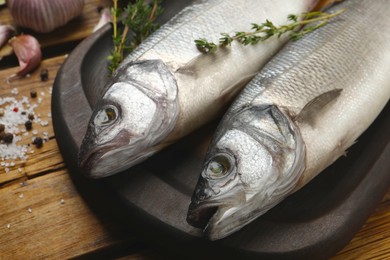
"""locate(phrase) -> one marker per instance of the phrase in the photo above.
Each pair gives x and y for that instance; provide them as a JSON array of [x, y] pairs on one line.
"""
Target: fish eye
[[218, 167], [106, 116]]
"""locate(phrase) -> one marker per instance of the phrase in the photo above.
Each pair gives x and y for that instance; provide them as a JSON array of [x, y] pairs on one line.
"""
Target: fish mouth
[[91, 156], [88, 162], [200, 216], [212, 219]]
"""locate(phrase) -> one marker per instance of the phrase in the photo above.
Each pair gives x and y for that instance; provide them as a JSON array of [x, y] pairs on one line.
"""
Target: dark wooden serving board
[[152, 198]]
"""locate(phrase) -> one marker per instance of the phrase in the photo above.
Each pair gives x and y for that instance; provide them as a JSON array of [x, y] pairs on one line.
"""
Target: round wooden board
[[152, 198]]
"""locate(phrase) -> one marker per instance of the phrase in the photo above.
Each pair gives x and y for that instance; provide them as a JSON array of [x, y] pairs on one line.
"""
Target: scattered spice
[[8, 137], [29, 210], [33, 94], [62, 201], [15, 91], [16, 111], [38, 142], [44, 74], [28, 125], [1, 112]]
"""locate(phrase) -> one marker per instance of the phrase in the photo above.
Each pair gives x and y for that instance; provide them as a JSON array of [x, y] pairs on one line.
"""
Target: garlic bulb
[[44, 15]]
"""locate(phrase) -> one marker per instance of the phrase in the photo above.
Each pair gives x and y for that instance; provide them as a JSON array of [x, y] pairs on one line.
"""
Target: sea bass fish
[[166, 88], [295, 118]]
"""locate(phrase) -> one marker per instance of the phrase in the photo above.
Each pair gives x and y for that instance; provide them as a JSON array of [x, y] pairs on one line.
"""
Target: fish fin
[[309, 112]]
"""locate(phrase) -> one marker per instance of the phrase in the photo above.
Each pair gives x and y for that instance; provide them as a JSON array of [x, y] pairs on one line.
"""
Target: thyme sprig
[[138, 20], [266, 30]]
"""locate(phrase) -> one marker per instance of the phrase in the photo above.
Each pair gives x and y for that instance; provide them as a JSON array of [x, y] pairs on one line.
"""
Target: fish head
[[138, 109], [254, 161]]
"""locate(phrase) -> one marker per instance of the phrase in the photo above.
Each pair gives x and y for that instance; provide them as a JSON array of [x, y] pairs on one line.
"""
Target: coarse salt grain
[[21, 195], [8, 225], [44, 123], [29, 210], [15, 110], [15, 91], [62, 201]]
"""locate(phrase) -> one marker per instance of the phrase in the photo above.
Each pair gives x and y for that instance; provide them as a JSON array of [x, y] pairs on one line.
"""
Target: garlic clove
[[28, 52], [44, 15], [6, 32], [105, 17]]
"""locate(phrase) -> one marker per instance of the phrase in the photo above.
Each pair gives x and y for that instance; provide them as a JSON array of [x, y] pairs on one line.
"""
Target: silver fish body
[[295, 118], [165, 89]]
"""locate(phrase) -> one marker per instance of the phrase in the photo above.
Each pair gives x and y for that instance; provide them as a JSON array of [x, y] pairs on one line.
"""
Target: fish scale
[[321, 92], [182, 88], [174, 42]]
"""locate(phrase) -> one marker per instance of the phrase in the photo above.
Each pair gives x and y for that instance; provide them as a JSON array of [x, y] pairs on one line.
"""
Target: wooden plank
[[46, 158], [33, 220], [373, 239], [46, 218], [69, 229]]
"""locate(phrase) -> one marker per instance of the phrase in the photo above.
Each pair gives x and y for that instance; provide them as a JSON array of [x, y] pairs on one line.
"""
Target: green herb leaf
[[139, 21]]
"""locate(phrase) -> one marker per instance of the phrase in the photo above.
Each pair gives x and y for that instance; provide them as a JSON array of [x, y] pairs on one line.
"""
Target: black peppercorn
[[28, 125], [33, 94], [2, 128], [44, 75], [31, 117], [7, 138], [38, 142]]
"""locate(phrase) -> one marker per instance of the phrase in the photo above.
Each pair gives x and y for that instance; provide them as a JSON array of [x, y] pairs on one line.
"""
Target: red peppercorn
[[16, 109]]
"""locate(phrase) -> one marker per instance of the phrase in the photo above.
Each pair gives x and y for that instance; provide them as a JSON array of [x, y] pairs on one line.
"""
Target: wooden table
[[42, 215]]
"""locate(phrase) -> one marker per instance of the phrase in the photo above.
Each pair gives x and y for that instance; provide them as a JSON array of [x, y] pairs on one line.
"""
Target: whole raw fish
[[166, 89], [305, 108]]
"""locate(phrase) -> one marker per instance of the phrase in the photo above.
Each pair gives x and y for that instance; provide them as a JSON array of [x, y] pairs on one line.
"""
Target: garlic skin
[[105, 17], [6, 32], [44, 15], [28, 52]]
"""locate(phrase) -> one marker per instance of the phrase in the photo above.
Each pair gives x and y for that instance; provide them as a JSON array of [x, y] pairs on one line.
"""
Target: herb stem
[[266, 30], [322, 17], [114, 19], [123, 39], [138, 22], [153, 12]]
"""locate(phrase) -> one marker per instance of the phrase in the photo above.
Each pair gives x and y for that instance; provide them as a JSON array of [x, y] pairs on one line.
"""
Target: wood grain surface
[[43, 216]]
